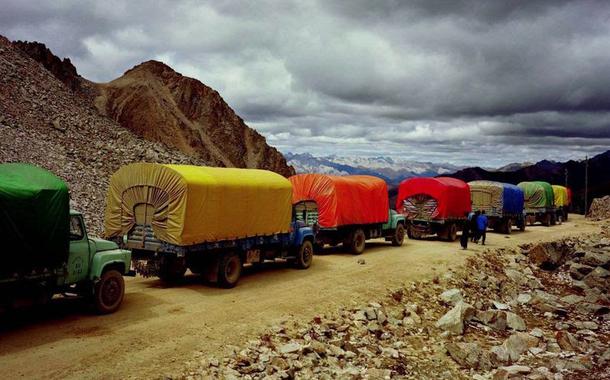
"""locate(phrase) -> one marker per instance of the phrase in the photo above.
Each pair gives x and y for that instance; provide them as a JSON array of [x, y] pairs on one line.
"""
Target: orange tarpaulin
[[343, 200]]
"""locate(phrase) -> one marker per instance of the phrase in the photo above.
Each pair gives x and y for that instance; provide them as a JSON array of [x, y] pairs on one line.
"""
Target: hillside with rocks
[[540, 311], [159, 104], [42, 122], [48, 117]]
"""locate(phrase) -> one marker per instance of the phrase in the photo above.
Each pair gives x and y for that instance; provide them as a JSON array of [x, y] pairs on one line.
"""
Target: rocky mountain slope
[[48, 117], [159, 104], [554, 172], [44, 123]]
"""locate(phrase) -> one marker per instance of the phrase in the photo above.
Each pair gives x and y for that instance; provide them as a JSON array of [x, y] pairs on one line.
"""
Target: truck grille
[[143, 237]]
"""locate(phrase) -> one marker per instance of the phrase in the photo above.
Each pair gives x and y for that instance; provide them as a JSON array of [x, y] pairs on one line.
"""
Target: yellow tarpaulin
[[194, 204], [560, 194]]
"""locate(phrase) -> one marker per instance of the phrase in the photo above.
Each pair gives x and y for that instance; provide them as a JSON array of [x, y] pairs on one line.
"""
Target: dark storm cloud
[[460, 81]]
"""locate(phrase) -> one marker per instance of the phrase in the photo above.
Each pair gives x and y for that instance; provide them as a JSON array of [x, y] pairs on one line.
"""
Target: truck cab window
[[76, 229]]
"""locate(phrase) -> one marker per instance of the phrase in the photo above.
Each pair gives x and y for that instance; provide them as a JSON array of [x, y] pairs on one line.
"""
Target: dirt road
[[158, 328]]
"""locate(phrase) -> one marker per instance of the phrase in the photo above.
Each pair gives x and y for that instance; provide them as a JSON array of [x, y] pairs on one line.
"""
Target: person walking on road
[[482, 223], [465, 232], [474, 227]]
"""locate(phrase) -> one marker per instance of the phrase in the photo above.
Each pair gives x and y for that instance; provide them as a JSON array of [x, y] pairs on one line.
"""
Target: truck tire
[[508, 226], [553, 219], [357, 241], [109, 292], [452, 232], [304, 255], [172, 269], [229, 270], [546, 220], [399, 235]]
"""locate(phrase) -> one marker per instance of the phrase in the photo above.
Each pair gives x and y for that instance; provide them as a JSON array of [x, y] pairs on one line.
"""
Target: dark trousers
[[482, 234]]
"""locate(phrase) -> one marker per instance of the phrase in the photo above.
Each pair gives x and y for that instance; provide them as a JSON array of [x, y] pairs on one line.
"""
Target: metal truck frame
[[353, 236], [547, 216], [93, 269], [504, 222], [445, 229], [220, 261]]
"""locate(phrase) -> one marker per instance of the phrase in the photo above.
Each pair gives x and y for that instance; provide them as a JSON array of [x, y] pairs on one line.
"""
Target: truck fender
[[119, 259], [397, 219], [302, 234]]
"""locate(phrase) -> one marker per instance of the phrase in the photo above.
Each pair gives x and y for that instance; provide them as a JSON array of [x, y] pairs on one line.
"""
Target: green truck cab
[[48, 250]]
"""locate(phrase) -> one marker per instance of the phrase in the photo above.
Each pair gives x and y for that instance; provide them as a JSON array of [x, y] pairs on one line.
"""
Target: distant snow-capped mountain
[[391, 169]]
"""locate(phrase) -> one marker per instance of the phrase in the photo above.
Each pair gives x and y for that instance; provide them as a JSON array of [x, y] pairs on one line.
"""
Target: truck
[[539, 203], [562, 198], [212, 221], [434, 206], [46, 247], [346, 210], [502, 203]]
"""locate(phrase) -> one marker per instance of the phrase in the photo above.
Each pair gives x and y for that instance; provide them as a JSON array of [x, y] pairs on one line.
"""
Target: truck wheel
[[452, 232], [559, 219], [553, 219], [508, 226], [304, 255], [229, 270], [109, 292], [547, 220], [172, 269], [358, 241], [399, 235]]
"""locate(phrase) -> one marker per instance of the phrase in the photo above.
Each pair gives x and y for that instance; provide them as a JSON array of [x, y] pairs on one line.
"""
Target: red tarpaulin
[[452, 196], [343, 200]]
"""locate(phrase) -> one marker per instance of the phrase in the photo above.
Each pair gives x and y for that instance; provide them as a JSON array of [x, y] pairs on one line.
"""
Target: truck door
[[79, 257]]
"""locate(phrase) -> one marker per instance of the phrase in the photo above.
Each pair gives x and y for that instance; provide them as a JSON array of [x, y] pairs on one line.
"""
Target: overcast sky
[[465, 82]]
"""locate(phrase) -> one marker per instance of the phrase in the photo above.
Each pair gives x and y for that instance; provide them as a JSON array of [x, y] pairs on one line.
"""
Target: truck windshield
[[76, 228]]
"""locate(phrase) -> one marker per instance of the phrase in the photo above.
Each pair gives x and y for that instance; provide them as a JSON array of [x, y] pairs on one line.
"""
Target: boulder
[[515, 322], [548, 256], [567, 341], [513, 347], [596, 259], [453, 321], [495, 319], [579, 271], [598, 278], [572, 299], [451, 296], [469, 355]]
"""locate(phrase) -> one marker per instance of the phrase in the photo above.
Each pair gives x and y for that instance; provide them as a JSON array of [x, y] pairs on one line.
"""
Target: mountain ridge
[[159, 104]]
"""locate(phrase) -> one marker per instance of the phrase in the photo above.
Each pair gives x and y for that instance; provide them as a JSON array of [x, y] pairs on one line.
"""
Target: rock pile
[[509, 314], [44, 123], [600, 208]]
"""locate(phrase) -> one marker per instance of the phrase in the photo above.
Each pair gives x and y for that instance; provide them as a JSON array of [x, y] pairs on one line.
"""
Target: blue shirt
[[482, 222]]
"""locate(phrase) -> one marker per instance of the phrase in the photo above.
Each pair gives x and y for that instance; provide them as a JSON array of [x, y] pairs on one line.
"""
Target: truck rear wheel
[[399, 235], [109, 292], [449, 232], [304, 255], [357, 241], [172, 269], [546, 220], [229, 270], [508, 226]]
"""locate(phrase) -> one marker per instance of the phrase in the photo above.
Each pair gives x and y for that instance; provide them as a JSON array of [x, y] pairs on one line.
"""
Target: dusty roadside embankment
[[539, 311]]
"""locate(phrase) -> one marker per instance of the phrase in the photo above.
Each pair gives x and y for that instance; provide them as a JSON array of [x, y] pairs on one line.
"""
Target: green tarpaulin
[[538, 194], [34, 219]]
